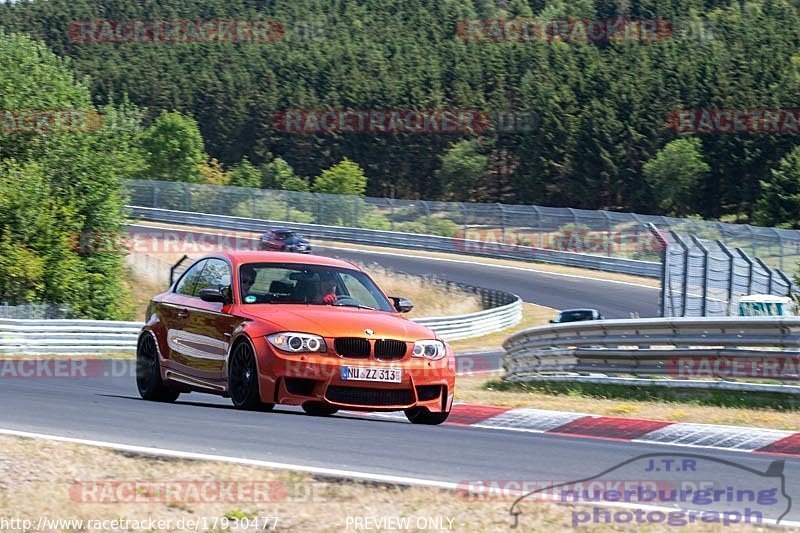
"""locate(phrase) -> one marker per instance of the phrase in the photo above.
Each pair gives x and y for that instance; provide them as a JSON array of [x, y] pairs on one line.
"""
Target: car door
[[173, 310], [207, 332]]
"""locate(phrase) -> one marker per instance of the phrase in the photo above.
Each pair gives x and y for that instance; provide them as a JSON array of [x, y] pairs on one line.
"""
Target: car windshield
[[309, 284], [574, 316], [283, 235]]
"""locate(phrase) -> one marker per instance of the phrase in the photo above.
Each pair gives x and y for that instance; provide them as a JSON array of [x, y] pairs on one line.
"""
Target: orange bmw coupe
[[267, 328]]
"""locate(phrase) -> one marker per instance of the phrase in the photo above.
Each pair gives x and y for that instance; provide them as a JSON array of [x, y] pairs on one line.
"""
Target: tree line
[[600, 138]]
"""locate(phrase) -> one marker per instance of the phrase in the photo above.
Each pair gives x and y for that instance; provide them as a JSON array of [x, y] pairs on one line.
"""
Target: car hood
[[294, 241], [329, 321]]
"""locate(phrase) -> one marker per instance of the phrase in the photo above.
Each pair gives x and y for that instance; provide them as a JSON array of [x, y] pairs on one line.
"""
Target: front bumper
[[294, 379]]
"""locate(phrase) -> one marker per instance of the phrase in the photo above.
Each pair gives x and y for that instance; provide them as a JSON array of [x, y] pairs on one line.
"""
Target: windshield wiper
[[359, 306]]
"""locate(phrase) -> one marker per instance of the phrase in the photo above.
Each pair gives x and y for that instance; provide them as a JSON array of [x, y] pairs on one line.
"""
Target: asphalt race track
[[614, 300], [109, 409]]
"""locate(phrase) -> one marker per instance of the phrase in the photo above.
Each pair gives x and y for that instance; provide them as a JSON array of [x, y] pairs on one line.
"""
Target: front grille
[[390, 349], [352, 347], [369, 397], [428, 392]]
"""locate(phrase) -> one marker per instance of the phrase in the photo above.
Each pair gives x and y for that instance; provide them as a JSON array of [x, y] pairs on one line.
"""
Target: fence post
[[685, 288], [731, 272], [427, 216], [763, 265], [187, 200], [502, 221], [609, 240], [749, 269], [155, 195], [538, 225], [664, 267], [788, 282], [703, 249], [780, 247], [318, 197], [641, 223]]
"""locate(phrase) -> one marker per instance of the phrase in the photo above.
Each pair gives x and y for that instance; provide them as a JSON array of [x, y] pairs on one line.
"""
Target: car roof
[[578, 310], [241, 257]]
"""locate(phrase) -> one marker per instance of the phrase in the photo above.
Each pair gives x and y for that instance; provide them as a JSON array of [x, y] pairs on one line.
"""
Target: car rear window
[[574, 316]]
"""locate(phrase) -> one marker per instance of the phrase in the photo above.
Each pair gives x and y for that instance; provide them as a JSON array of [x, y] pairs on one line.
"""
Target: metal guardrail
[[31, 337], [730, 353], [67, 336], [404, 240]]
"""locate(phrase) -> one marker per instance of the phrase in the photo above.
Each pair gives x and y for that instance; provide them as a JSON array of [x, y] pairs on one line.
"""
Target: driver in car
[[326, 292], [248, 278]]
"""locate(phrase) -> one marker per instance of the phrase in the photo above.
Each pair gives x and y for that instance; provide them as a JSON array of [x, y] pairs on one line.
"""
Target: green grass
[[717, 398]]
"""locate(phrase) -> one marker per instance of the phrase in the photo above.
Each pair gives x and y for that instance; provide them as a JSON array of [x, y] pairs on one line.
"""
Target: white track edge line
[[362, 476], [196, 456]]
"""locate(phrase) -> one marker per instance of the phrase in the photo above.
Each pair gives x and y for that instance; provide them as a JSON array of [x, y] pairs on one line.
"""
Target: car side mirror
[[403, 305], [212, 294], [552, 321]]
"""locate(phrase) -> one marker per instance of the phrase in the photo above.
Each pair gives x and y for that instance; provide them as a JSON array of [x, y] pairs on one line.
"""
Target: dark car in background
[[576, 315], [284, 240]]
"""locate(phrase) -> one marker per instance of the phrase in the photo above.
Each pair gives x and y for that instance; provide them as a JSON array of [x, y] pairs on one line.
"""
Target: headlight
[[432, 350], [290, 341]]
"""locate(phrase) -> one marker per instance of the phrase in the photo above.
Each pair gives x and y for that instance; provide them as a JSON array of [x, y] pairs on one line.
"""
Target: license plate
[[372, 373]]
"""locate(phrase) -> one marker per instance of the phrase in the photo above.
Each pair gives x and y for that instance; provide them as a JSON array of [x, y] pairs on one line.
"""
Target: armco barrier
[[709, 353], [67, 336], [403, 240], [103, 336]]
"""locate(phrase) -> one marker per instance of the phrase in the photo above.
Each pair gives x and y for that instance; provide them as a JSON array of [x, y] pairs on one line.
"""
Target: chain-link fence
[[606, 233], [707, 278], [38, 311]]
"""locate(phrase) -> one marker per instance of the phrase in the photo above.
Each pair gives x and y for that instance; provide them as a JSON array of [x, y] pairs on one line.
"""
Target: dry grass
[[140, 289], [430, 297], [36, 477], [479, 390], [532, 315]]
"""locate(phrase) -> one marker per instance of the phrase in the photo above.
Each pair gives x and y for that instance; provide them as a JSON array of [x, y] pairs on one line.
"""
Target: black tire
[[243, 379], [420, 415], [148, 373], [319, 409]]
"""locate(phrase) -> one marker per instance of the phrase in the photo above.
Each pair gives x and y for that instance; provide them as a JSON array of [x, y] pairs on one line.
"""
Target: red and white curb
[[563, 423]]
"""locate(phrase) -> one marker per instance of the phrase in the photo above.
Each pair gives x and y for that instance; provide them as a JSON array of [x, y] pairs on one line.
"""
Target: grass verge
[[58, 480], [714, 407], [532, 315]]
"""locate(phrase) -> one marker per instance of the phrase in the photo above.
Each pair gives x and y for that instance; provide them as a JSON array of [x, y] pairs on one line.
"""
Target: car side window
[[215, 275], [188, 282]]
